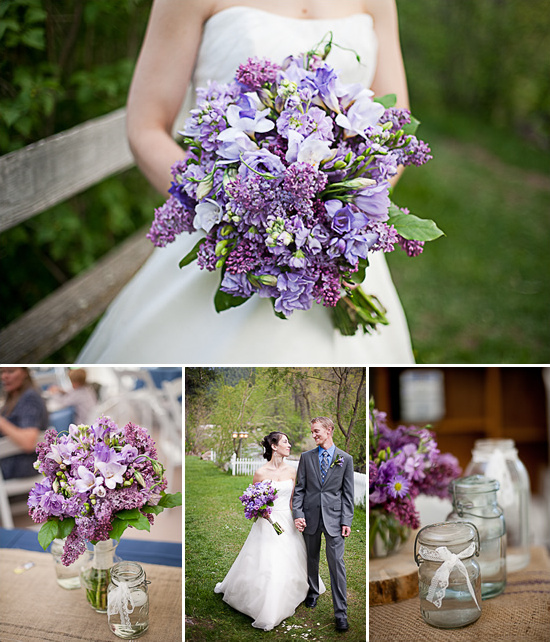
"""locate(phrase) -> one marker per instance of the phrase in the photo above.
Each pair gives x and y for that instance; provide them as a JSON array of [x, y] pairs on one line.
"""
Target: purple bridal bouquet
[[99, 480], [257, 500], [403, 463], [286, 173]]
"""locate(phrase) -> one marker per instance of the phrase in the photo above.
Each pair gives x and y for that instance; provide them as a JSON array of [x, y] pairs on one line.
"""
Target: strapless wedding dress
[[166, 314], [268, 580]]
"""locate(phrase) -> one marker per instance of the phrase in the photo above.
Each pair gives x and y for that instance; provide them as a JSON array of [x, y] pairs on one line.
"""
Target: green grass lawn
[[215, 530], [481, 294]]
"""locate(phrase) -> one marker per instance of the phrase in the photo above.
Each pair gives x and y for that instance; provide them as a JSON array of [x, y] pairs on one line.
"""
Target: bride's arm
[[390, 75], [162, 75]]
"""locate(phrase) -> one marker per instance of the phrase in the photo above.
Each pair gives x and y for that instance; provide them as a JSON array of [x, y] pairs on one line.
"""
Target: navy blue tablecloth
[[146, 551]]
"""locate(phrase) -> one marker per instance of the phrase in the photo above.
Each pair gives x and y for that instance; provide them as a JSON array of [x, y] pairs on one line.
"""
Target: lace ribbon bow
[[121, 601], [450, 561]]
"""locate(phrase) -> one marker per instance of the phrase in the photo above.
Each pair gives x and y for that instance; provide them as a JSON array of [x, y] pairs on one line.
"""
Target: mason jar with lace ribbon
[[128, 600], [475, 501], [498, 459], [449, 576]]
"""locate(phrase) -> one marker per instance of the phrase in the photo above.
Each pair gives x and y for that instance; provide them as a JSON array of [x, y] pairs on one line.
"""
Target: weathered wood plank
[[48, 172], [62, 315]]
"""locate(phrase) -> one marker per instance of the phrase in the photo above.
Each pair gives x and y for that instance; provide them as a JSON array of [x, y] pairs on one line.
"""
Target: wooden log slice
[[393, 578]]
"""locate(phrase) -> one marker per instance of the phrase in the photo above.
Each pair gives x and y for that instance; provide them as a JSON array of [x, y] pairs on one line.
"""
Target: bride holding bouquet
[[166, 314]]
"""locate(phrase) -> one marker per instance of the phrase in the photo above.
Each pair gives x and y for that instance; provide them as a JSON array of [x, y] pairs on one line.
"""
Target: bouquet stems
[[278, 528]]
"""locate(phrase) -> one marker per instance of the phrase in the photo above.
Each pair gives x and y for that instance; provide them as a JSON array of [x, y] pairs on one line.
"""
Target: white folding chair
[[13, 487]]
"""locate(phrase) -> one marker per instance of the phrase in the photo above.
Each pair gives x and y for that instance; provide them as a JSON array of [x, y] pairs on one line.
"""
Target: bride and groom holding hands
[[273, 574]]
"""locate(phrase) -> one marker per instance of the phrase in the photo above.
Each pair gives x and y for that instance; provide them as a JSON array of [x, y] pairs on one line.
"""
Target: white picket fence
[[248, 466]]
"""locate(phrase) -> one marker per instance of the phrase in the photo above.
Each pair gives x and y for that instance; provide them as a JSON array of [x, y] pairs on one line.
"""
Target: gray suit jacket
[[333, 499]]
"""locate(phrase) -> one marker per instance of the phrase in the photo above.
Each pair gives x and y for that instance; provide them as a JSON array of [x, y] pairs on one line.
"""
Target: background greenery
[[215, 530], [220, 401], [479, 79]]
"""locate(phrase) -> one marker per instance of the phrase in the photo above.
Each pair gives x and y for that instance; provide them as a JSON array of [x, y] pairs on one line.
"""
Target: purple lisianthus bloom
[[358, 246], [345, 218], [296, 292], [374, 201], [38, 492], [237, 285], [262, 161]]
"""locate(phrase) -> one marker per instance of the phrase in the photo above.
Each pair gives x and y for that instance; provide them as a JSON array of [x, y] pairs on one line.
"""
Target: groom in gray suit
[[323, 503]]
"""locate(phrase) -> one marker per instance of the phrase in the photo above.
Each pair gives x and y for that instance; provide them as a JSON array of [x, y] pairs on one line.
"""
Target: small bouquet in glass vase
[[286, 175], [98, 481], [257, 500], [403, 463]]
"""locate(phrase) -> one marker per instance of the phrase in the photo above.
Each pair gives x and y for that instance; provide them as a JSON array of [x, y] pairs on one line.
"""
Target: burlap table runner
[[34, 608], [520, 614]]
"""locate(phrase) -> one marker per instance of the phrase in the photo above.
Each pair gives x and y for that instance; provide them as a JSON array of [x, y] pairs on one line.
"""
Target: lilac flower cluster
[[257, 499], [91, 474], [287, 174], [403, 463]]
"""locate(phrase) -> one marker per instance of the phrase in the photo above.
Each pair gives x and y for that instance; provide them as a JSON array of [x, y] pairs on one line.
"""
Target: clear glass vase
[[386, 534], [68, 577], [498, 459], [95, 573]]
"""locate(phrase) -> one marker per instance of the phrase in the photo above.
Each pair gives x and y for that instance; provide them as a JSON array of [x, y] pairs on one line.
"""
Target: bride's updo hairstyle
[[271, 440]]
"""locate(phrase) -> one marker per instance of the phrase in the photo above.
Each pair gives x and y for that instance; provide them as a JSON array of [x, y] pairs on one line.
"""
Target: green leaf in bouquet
[[192, 255], [412, 227], [386, 101], [224, 301], [118, 527], [152, 510], [48, 532], [170, 500], [359, 276], [65, 526], [410, 128], [141, 523], [127, 514]]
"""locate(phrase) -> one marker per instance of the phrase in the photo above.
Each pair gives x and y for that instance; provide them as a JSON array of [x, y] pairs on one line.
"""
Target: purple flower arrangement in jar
[[98, 481], [257, 500], [287, 175], [403, 463]]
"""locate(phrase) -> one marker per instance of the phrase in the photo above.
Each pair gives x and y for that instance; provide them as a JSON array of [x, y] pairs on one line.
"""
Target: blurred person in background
[[82, 396], [23, 418]]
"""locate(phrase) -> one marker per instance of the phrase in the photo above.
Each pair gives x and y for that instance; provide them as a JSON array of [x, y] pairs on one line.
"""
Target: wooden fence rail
[[39, 176]]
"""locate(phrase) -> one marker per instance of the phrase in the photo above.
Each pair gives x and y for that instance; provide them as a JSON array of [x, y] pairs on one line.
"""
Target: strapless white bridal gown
[[268, 580], [166, 314]]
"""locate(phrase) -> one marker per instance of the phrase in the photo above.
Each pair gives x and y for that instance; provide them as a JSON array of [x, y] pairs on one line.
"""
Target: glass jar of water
[[449, 576], [67, 576], [475, 501], [498, 459], [128, 600]]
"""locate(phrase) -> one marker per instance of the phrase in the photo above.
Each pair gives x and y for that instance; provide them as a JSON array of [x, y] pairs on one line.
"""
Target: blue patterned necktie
[[324, 465]]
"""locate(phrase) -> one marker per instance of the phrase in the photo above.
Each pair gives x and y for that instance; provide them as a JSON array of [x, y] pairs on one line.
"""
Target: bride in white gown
[[166, 314], [268, 580]]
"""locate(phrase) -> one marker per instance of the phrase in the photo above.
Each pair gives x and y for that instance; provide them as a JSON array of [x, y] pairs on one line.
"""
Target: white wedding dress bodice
[[268, 580], [166, 314]]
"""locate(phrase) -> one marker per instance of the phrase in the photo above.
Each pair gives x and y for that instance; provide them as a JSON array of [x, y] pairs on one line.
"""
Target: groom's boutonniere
[[339, 461]]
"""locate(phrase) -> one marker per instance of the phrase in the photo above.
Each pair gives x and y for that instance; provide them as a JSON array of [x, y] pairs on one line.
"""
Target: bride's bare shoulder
[[260, 474]]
